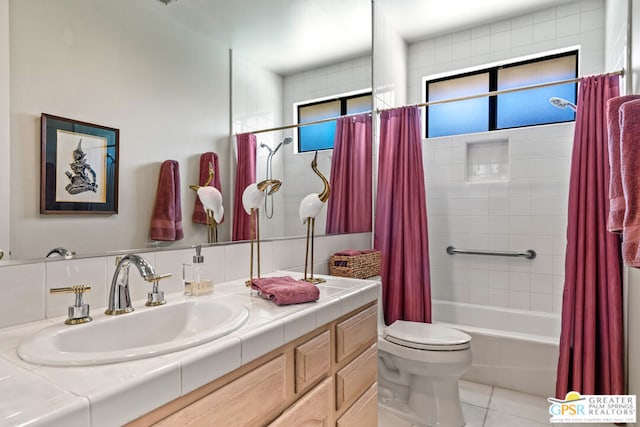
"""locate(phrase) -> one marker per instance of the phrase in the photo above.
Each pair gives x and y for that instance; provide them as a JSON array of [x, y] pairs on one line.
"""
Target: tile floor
[[487, 406]]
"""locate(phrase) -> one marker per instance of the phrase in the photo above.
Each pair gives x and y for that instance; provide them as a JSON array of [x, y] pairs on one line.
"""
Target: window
[[320, 136], [522, 108]]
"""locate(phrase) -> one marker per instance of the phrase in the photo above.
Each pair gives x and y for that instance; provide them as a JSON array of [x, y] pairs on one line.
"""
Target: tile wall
[[526, 212], [26, 287], [322, 82], [580, 23], [529, 210], [257, 104]]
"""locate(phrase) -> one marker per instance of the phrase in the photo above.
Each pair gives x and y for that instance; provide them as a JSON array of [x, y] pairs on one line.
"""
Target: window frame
[[343, 99], [492, 118]]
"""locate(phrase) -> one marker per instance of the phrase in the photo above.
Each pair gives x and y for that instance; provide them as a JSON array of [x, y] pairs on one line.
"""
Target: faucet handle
[[79, 312], [156, 296]]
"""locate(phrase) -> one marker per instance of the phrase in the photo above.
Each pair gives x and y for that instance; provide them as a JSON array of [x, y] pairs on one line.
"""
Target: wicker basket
[[357, 266]]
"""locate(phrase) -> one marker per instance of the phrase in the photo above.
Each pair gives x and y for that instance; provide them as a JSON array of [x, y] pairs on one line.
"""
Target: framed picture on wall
[[79, 167]]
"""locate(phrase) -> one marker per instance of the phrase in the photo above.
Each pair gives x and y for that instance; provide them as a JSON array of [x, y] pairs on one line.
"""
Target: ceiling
[[287, 36]]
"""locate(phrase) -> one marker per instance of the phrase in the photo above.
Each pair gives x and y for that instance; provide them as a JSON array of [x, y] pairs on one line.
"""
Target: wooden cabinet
[[313, 360], [313, 409], [245, 401], [325, 378], [356, 377], [356, 332], [363, 413]]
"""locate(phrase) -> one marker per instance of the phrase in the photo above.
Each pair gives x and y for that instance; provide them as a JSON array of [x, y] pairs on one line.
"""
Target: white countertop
[[113, 394]]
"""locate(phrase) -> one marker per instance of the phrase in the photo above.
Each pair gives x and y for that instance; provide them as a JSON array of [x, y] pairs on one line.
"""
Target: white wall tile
[[519, 300], [23, 298], [64, 273], [528, 211]]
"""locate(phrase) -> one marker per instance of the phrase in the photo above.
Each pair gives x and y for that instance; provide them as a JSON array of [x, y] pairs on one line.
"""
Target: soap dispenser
[[194, 285]]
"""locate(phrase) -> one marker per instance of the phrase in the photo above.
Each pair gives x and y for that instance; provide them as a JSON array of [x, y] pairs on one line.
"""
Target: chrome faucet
[[119, 297], [63, 252]]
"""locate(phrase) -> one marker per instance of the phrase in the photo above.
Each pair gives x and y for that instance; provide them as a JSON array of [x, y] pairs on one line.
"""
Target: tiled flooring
[[486, 406]]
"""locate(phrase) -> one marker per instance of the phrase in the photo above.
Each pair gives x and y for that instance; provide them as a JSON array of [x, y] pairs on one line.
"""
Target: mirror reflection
[[307, 88], [171, 78]]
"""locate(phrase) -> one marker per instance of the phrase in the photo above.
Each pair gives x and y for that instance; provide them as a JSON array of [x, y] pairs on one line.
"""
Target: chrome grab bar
[[528, 254]]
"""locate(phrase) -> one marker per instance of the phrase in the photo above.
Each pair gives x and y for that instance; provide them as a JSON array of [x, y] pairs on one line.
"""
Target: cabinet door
[[246, 401], [363, 413], [313, 360], [356, 332], [356, 377], [312, 410]]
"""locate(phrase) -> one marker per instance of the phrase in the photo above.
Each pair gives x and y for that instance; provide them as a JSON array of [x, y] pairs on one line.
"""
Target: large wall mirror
[[177, 80], [300, 64]]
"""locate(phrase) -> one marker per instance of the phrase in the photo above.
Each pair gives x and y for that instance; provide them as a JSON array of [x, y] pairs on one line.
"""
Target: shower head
[[562, 103], [285, 141], [263, 145]]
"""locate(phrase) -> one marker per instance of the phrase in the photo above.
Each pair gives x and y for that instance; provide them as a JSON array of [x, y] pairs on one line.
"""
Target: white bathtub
[[513, 349]]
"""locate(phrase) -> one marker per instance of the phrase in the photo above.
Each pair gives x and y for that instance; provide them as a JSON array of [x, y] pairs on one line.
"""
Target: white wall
[[528, 211], [5, 177], [616, 37], [121, 64], [390, 62], [635, 46], [257, 104]]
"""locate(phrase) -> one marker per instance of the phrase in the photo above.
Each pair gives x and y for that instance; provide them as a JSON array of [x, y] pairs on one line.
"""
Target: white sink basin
[[147, 332]]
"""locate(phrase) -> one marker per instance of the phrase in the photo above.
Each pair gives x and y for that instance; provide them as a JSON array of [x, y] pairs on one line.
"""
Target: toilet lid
[[426, 336]]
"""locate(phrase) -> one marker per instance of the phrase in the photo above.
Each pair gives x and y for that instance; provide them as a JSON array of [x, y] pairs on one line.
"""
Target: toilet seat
[[426, 336]]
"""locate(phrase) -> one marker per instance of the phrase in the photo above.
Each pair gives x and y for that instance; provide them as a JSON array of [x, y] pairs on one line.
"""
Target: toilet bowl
[[418, 369]]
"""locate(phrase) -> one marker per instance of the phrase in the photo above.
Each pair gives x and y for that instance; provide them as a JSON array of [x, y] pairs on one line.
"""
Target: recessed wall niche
[[488, 161]]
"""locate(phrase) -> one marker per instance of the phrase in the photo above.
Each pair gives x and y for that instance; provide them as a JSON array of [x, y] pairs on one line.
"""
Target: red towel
[[349, 252], [286, 290], [630, 171], [199, 216], [166, 222], [616, 196]]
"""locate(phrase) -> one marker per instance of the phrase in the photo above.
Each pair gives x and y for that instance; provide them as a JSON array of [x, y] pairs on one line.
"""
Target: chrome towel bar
[[528, 254]]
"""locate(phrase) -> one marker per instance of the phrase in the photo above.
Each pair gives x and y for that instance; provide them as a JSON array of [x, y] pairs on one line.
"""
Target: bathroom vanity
[[314, 361], [326, 376]]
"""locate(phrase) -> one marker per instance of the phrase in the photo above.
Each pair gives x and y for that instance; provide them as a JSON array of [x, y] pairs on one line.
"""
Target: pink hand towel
[[349, 252], [286, 290], [616, 196], [199, 216], [630, 173], [166, 222], [369, 251]]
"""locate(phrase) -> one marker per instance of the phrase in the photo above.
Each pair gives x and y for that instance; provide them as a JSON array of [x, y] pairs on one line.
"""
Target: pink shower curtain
[[591, 341], [349, 209], [401, 218], [245, 175]]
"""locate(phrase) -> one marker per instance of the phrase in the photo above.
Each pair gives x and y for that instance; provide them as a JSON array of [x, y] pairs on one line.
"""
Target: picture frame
[[79, 167]]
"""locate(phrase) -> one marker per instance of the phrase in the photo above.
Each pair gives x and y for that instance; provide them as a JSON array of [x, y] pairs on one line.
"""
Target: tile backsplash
[[26, 287]]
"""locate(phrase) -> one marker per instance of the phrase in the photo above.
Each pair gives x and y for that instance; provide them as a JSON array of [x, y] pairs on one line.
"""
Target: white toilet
[[418, 369]]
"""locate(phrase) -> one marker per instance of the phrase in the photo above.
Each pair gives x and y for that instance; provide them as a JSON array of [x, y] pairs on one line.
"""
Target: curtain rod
[[316, 122], [500, 92], [442, 101]]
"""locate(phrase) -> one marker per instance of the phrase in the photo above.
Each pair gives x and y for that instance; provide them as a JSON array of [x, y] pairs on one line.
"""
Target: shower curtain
[[245, 175], [591, 342], [401, 218], [349, 208]]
